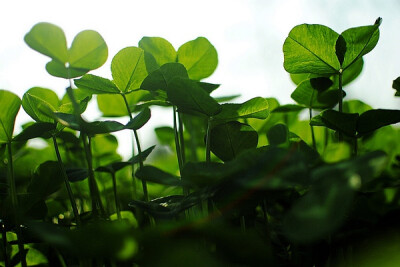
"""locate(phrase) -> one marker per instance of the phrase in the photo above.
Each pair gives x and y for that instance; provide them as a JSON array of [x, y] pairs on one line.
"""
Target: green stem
[[340, 98], [193, 142], [355, 152], [312, 131], [94, 191], [208, 152], [181, 138], [177, 143], [114, 180], [67, 185], [15, 206], [144, 184]]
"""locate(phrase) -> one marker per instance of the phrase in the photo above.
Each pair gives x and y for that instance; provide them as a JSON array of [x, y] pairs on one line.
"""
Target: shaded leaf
[[396, 86], [199, 57], [306, 95], [187, 95], [139, 120], [230, 139], [376, 118], [155, 175], [278, 134], [338, 121], [208, 87], [77, 174], [46, 179], [340, 48], [160, 78], [38, 129]]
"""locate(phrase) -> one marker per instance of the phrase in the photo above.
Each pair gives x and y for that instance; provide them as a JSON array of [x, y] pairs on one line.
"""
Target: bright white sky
[[248, 36]]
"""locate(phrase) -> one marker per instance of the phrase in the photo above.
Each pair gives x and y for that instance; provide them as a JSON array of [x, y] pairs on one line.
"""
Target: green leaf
[[278, 135], [114, 105], [139, 120], [340, 48], [77, 174], [359, 41], [328, 202], [306, 95], [208, 87], [254, 108], [160, 78], [350, 74], [116, 166], [48, 39], [155, 175], [38, 129], [188, 96], [88, 51], [376, 118], [232, 138], [310, 48], [288, 108], [35, 98], [128, 69], [396, 86], [165, 135], [96, 127], [46, 179], [321, 83], [9, 107], [201, 174], [199, 57], [96, 85], [162, 50], [338, 121], [297, 78], [58, 69]]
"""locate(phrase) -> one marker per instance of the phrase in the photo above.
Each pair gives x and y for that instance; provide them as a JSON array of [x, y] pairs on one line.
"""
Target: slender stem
[[177, 143], [60, 258], [114, 180], [340, 99], [193, 142], [181, 138], [355, 152], [94, 192], [312, 131], [15, 206], [208, 153], [67, 185], [4, 238], [243, 223], [144, 183]]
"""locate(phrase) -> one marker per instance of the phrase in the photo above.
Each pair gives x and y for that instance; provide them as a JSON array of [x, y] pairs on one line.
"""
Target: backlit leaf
[[128, 69], [254, 108], [35, 98], [310, 48], [9, 107], [162, 50], [359, 41], [88, 51], [96, 85], [48, 39], [199, 57]]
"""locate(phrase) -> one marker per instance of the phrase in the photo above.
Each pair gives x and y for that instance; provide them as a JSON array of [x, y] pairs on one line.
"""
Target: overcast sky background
[[248, 36]]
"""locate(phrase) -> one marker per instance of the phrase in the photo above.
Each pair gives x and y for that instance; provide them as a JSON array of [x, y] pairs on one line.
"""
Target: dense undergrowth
[[243, 184]]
